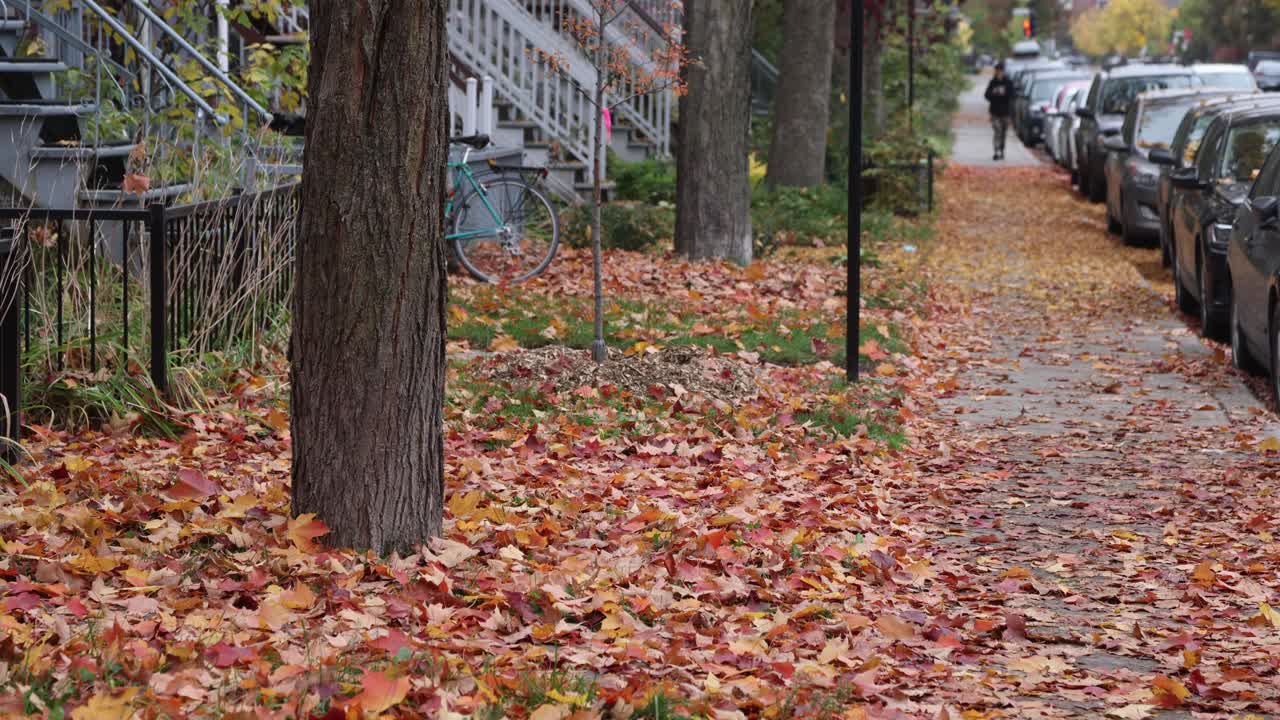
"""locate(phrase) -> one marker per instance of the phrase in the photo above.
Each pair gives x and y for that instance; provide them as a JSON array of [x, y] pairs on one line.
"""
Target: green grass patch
[[534, 690]]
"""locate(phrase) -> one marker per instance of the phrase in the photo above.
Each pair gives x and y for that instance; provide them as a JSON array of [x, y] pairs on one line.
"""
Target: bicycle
[[514, 233]]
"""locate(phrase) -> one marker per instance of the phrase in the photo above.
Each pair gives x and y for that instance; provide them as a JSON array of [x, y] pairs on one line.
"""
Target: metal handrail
[[208, 65], [151, 59], [69, 37]]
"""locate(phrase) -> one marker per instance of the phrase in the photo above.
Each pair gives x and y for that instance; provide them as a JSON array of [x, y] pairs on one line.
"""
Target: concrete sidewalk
[[972, 130]]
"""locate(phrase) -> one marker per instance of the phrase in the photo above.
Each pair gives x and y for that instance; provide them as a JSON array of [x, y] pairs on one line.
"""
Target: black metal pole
[[853, 294], [10, 338], [911, 64], [159, 299]]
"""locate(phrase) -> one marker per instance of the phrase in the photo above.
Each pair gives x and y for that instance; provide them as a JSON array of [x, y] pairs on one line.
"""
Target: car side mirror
[[1266, 210], [1085, 112], [1115, 143], [1186, 178], [1161, 156]]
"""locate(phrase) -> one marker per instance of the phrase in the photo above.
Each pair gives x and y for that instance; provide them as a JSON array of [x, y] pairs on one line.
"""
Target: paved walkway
[[1101, 467], [973, 132]]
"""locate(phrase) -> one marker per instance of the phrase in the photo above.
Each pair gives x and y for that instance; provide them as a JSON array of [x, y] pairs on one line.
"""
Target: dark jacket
[[1000, 95]]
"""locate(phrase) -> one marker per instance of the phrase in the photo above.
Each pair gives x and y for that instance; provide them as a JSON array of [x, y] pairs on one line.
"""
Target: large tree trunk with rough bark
[[802, 103], [368, 349], [713, 187]]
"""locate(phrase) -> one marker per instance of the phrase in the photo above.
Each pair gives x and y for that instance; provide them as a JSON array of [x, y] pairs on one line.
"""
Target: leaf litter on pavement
[[752, 538]]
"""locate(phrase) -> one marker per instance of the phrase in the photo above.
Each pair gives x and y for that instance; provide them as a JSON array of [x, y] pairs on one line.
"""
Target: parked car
[[1182, 154], [1253, 264], [1231, 154], [1267, 75], [1257, 56], [1067, 132], [1056, 118], [1132, 177], [1103, 113], [1022, 82], [1225, 75], [1040, 94]]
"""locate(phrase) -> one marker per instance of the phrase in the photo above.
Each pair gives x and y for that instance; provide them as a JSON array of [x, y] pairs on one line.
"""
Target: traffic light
[[1026, 27]]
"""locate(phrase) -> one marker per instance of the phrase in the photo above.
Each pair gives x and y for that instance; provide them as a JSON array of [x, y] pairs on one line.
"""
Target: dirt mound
[[678, 368]]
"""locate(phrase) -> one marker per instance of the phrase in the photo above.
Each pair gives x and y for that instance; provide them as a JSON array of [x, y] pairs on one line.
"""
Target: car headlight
[[1219, 235]]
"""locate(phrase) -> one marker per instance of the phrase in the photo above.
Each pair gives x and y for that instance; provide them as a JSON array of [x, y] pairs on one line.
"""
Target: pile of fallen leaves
[[679, 369], [741, 549]]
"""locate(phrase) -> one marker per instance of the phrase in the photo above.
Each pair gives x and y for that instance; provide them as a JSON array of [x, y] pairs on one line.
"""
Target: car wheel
[[1273, 341], [1212, 324], [1241, 358], [1166, 259], [1097, 186], [1185, 302]]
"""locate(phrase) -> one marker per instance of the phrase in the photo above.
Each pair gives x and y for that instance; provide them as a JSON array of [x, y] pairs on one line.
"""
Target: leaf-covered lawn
[[735, 533]]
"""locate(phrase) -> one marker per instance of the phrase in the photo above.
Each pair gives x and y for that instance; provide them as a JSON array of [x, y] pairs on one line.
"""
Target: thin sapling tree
[[632, 57]]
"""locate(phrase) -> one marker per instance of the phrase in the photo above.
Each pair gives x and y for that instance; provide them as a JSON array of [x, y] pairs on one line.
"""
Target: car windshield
[[1044, 90], [1268, 67], [1233, 80], [1247, 148], [1158, 123], [1194, 136], [1119, 92]]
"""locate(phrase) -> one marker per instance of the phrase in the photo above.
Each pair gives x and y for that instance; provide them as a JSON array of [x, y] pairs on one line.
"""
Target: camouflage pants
[[999, 127]]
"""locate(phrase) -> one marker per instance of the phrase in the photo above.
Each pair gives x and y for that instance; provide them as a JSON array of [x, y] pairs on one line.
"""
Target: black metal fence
[[87, 289], [917, 178]]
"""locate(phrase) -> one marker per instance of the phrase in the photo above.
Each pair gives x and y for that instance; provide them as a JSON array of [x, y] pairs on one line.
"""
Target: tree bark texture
[[368, 348], [875, 110], [713, 188], [802, 105]]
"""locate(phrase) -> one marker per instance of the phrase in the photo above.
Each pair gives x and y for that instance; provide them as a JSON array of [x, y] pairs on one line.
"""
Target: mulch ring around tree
[[678, 369]]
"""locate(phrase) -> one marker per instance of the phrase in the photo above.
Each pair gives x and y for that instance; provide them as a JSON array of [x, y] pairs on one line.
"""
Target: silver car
[[1067, 131], [1057, 117], [1225, 75]]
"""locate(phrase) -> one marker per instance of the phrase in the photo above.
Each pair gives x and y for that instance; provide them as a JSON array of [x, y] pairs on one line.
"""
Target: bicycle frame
[[462, 171]]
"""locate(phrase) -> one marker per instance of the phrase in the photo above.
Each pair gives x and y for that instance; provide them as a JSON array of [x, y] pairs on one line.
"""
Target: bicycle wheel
[[518, 244]]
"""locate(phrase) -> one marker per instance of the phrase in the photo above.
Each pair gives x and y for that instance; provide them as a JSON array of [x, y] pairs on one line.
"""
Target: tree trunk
[[368, 348], [713, 187], [802, 103]]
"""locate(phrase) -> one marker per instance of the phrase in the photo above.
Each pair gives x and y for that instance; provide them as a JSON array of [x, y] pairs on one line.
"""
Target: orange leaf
[[192, 485], [136, 183], [305, 528], [1169, 692], [381, 691], [299, 598], [894, 628], [1204, 573]]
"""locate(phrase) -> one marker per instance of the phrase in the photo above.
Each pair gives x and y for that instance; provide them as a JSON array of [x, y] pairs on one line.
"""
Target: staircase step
[[292, 39], [78, 152], [28, 78], [103, 197], [29, 65]]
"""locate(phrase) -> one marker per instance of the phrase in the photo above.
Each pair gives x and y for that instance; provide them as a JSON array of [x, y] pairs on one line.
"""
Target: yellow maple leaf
[[105, 706], [1269, 614]]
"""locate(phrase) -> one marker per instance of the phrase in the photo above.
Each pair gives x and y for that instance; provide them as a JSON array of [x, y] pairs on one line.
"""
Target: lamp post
[[853, 293]]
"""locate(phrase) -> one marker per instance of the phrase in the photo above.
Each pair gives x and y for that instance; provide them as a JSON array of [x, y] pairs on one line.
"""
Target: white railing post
[[224, 34], [486, 106], [469, 112]]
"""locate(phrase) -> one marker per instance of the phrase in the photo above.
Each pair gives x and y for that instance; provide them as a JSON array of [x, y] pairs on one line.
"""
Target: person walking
[[999, 94]]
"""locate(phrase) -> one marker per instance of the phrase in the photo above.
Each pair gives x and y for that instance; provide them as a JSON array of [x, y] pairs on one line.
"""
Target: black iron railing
[[917, 177], [84, 289]]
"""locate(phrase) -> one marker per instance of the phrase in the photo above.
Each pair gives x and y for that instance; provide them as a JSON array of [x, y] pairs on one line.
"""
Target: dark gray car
[[1132, 176], [1103, 113]]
